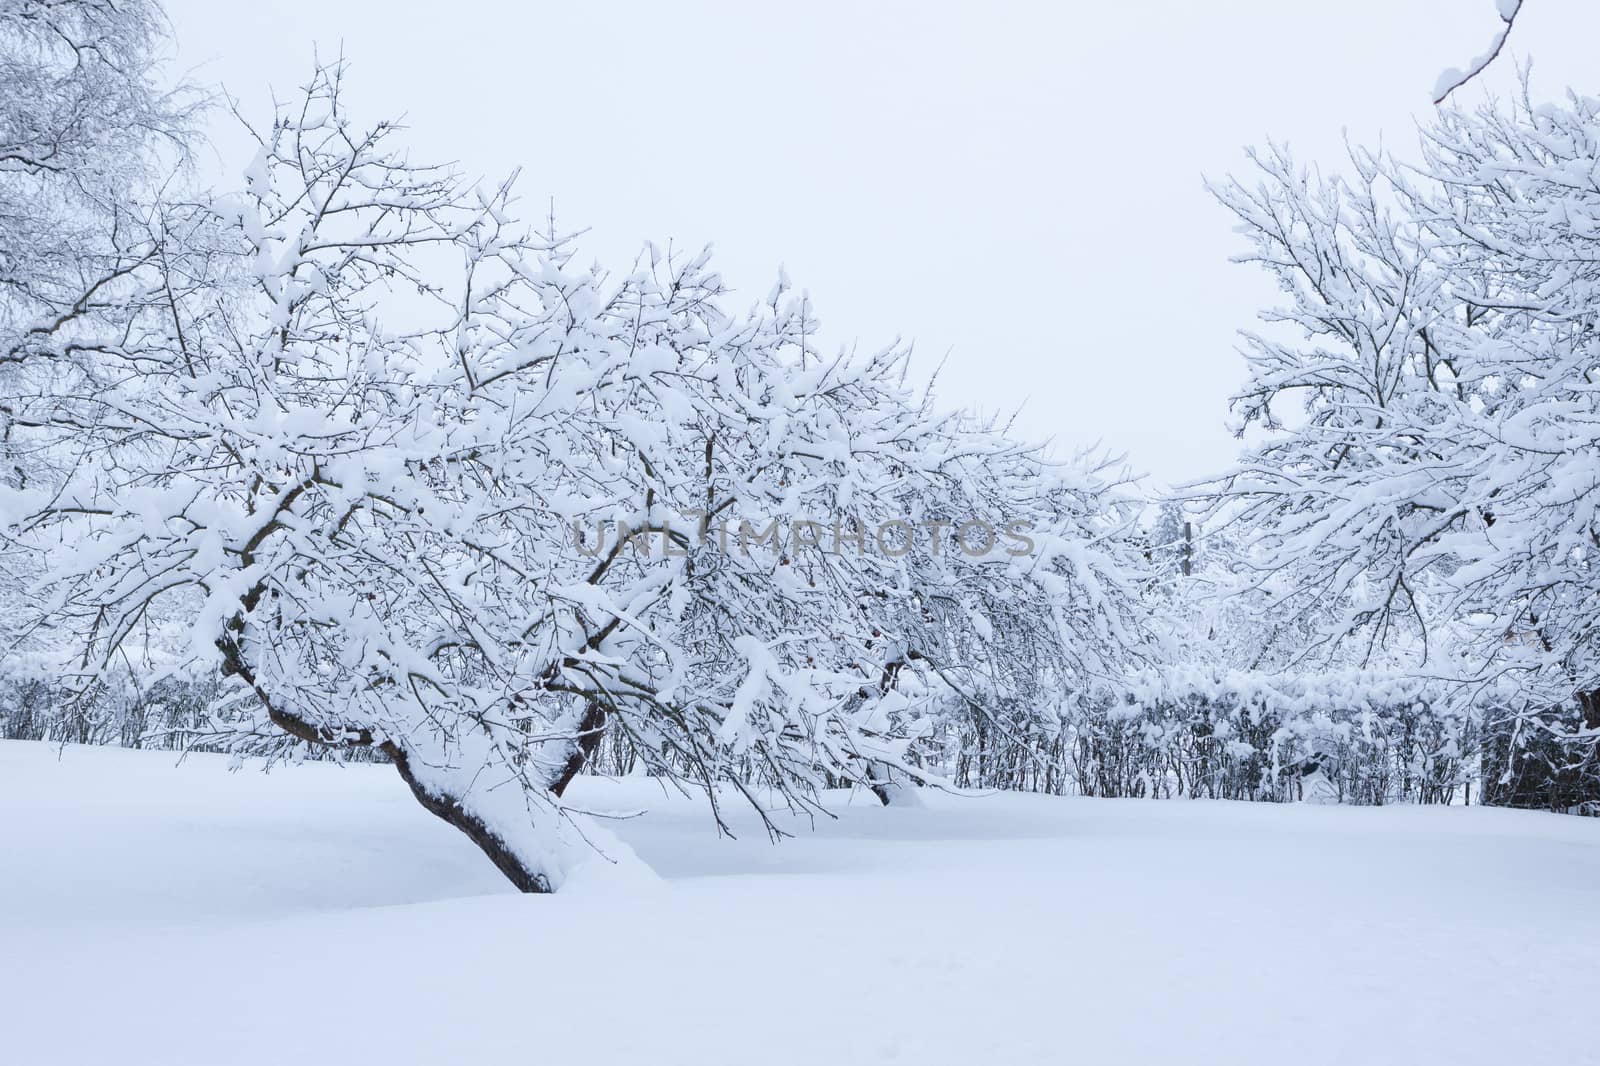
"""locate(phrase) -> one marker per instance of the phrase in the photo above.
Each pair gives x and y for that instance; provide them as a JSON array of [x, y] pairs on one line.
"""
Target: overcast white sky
[[1016, 185]]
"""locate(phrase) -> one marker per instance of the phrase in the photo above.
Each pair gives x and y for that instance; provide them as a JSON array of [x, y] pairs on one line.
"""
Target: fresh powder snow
[[317, 914]]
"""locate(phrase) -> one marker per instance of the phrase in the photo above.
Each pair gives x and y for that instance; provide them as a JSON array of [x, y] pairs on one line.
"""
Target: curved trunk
[[452, 810], [519, 869]]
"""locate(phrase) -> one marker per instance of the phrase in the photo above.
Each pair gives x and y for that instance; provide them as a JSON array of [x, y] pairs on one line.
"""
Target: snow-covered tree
[[84, 122], [418, 483], [1175, 540], [86, 131], [1443, 476]]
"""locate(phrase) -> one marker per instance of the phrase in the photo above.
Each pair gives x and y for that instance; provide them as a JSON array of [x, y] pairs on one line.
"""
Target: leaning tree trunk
[[518, 869], [517, 821], [534, 857]]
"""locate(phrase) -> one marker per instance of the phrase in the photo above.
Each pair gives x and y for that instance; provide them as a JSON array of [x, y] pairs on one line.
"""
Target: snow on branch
[[1453, 78]]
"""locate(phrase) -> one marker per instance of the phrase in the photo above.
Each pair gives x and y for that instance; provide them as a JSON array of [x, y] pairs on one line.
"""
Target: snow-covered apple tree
[[417, 483]]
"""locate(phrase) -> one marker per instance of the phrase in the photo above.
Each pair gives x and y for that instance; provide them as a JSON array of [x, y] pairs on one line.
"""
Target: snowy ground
[[153, 913]]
